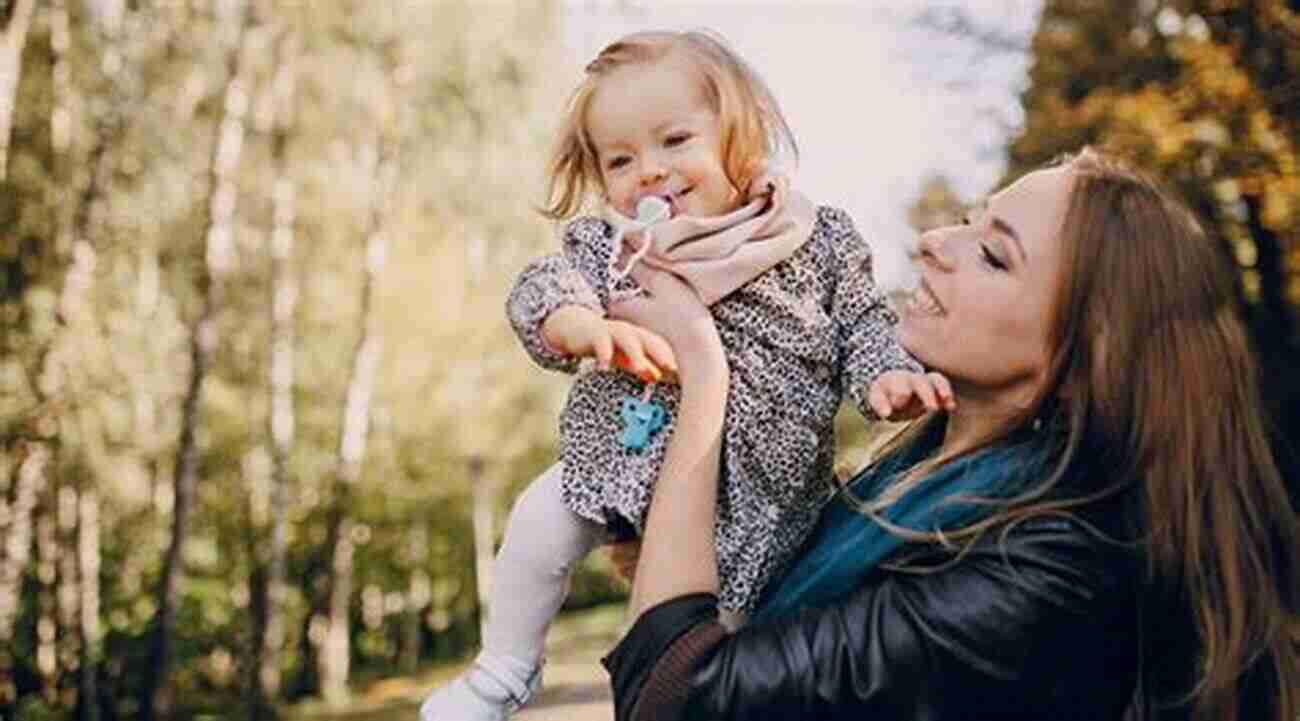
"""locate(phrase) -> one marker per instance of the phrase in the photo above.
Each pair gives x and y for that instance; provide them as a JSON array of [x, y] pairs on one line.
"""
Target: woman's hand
[[674, 311]]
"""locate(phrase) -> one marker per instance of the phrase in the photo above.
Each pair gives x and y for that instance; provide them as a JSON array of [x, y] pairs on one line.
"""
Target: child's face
[[656, 134]]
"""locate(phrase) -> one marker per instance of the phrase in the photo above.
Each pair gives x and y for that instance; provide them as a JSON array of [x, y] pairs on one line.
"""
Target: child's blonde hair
[[752, 129]]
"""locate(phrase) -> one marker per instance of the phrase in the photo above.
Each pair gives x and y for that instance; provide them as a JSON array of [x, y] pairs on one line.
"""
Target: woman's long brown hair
[[1151, 361]]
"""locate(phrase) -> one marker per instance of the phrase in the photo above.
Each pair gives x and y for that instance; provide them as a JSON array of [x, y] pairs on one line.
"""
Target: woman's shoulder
[[1079, 539], [1068, 522]]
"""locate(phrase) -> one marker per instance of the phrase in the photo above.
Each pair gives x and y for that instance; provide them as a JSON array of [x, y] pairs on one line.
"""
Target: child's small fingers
[[900, 394], [658, 350], [879, 403], [628, 340], [944, 388], [922, 389], [603, 348]]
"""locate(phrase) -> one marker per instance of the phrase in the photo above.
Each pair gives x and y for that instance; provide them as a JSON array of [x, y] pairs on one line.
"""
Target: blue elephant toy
[[641, 419]]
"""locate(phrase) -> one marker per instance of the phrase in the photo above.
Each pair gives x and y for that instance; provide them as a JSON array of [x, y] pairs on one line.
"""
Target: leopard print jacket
[[797, 338]]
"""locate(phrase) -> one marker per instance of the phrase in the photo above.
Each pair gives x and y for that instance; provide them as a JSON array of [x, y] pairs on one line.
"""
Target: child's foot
[[491, 690]]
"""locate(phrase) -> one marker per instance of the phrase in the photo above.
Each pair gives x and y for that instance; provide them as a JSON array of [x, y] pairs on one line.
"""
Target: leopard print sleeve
[[575, 276], [865, 324]]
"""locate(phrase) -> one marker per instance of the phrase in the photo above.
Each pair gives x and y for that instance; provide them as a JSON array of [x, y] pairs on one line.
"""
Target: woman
[[1079, 538]]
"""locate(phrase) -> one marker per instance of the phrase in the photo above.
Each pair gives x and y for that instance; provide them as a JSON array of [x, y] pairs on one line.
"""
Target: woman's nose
[[931, 249]]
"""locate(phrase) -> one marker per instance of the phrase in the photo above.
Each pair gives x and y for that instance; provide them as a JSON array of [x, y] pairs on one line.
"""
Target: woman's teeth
[[923, 302]]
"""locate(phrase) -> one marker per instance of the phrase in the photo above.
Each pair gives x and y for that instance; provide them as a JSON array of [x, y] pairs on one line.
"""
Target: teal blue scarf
[[847, 544]]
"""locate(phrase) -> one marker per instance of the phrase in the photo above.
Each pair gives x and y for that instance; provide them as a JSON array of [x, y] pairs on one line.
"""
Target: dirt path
[[577, 688]]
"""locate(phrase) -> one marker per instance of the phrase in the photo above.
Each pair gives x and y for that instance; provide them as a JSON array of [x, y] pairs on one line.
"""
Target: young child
[[676, 131]]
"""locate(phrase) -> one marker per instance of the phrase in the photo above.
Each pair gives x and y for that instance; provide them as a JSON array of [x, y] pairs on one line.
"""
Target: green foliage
[[462, 94]]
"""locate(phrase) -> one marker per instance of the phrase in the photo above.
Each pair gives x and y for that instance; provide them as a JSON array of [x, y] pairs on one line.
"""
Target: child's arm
[[557, 308], [865, 324], [578, 332], [546, 285]]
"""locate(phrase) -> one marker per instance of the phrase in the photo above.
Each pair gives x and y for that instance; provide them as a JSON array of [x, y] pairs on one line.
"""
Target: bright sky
[[864, 92]]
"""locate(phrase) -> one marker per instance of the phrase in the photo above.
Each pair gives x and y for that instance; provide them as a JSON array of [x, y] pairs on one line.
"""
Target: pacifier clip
[[642, 416]]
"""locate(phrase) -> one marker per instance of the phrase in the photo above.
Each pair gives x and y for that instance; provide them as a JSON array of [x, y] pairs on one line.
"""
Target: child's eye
[[676, 139], [617, 162], [990, 259]]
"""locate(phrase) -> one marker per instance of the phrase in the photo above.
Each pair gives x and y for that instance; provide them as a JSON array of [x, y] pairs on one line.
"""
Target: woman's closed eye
[[991, 260]]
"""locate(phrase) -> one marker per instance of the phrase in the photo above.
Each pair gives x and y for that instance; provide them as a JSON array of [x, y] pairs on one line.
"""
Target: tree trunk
[[29, 479], [1273, 318], [14, 20], [155, 697], [335, 652], [69, 588], [69, 626], [268, 636], [49, 552], [418, 594], [88, 580]]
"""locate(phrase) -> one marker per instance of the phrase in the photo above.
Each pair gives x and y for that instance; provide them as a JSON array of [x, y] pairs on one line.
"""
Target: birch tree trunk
[[48, 554], [68, 592], [335, 652], [84, 501], [155, 698], [268, 631], [88, 562], [14, 19], [68, 568], [33, 454], [28, 482]]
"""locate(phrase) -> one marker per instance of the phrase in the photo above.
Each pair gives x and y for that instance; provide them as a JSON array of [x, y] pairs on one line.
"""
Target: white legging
[[530, 578]]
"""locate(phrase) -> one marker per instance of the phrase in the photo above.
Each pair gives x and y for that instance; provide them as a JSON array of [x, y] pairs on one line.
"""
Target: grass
[[573, 676]]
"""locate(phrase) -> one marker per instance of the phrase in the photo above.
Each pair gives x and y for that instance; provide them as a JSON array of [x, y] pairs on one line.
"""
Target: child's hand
[[580, 332], [902, 395]]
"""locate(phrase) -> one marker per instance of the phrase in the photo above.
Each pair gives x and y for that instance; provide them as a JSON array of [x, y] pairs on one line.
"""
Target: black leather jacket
[[1038, 622]]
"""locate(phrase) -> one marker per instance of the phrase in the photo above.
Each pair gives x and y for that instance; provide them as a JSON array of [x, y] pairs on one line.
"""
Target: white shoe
[[488, 691]]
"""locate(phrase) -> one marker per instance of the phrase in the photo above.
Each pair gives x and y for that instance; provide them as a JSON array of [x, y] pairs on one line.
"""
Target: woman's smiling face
[[982, 313]]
